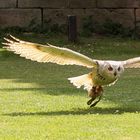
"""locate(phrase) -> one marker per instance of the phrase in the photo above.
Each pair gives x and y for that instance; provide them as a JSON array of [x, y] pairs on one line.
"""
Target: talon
[[90, 101], [96, 101]]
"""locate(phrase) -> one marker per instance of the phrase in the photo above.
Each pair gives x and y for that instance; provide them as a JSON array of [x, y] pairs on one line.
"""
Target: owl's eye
[[119, 68], [110, 68]]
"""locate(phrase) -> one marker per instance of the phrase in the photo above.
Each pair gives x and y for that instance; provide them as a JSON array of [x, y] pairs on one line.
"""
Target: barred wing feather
[[132, 63], [47, 53]]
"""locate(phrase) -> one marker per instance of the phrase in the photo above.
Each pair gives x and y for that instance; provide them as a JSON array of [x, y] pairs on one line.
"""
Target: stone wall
[[22, 12]]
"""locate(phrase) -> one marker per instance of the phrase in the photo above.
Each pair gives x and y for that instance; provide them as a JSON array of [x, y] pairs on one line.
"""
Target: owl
[[102, 72]]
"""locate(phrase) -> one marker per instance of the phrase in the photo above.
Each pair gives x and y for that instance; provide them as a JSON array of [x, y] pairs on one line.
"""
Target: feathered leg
[[95, 92], [86, 81]]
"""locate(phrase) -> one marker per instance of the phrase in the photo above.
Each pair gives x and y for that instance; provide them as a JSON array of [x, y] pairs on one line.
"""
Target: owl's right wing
[[47, 53], [132, 63]]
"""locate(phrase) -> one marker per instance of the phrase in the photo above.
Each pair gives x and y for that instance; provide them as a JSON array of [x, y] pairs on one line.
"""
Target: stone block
[[19, 17], [118, 3], [80, 14], [43, 3], [138, 15], [138, 20], [82, 3], [8, 4], [56, 16], [123, 16], [59, 16]]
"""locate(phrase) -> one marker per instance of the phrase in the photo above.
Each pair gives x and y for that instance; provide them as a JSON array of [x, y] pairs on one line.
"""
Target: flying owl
[[102, 73]]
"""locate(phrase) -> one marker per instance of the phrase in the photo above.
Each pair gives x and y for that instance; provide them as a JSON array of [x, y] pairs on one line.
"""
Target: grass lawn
[[37, 102]]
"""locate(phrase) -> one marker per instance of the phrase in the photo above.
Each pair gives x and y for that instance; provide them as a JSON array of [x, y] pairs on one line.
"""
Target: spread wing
[[132, 63], [47, 53]]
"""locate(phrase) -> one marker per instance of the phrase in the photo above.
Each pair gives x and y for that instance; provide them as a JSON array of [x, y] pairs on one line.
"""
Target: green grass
[[38, 103]]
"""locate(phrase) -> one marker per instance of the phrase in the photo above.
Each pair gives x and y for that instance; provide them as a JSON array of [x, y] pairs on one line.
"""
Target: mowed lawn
[[37, 102]]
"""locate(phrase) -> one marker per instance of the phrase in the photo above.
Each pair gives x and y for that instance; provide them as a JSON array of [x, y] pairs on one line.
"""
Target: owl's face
[[113, 70]]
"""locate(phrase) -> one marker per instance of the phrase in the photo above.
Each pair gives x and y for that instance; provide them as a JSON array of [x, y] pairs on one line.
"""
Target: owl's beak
[[115, 73]]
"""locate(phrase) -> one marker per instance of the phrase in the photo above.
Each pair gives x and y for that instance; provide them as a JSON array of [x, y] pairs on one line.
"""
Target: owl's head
[[113, 69]]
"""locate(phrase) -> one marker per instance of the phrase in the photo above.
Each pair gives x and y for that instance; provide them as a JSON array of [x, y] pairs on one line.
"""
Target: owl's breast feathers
[[100, 79], [92, 79]]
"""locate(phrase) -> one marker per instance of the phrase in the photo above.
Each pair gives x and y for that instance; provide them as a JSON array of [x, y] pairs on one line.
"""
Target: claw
[[96, 101], [90, 101]]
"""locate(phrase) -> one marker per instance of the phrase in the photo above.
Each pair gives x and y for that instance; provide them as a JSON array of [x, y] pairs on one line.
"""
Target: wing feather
[[132, 63], [47, 53]]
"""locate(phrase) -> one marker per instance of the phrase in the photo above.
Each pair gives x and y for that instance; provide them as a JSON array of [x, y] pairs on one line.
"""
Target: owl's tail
[[83, 80]]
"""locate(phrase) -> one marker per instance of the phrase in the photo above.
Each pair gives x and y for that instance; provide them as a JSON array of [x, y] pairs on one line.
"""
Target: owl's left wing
[[48, 53], [132, 63]]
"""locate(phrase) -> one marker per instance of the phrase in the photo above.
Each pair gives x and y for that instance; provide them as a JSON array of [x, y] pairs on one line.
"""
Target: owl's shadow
[[78, 111]]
